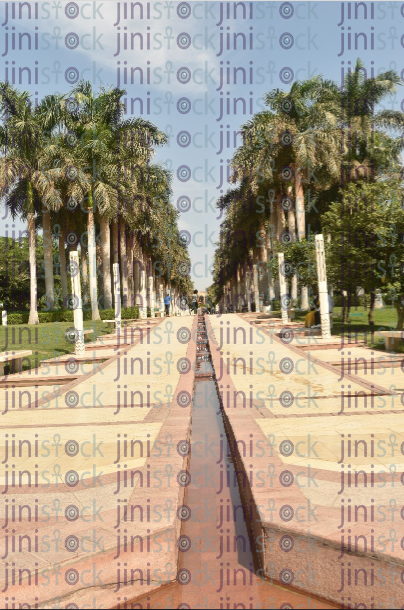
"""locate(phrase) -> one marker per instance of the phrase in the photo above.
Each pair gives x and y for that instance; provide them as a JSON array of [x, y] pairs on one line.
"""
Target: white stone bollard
[[117, 298], [74, 273], [247, 283], [143, 294], [151, 296], [322, 288], [283, 289], [4, 317], [379, 299], [173, 304], [162, 299]]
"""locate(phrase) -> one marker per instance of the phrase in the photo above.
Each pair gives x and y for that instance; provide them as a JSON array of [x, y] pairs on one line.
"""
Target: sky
[[284, 41]]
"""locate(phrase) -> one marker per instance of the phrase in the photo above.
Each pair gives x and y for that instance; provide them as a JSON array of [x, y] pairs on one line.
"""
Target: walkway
[[299, 427], [129, 489]]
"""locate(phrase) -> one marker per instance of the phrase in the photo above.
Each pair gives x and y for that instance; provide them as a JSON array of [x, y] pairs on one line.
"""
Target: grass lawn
[[384, 319], [45, 340]]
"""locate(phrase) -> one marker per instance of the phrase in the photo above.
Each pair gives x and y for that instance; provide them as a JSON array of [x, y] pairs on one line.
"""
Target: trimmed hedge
[[66, 315], [45, 317], [126, 314]]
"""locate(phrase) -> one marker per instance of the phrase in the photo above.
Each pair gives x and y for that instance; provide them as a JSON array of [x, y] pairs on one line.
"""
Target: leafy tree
[[367, 246]]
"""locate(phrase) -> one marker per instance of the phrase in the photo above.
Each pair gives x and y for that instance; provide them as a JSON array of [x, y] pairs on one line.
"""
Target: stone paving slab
[[293, 472], [73, 473]]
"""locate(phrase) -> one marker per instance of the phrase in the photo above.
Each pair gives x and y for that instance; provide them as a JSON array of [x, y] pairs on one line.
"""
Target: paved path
[[127, 398], [295, 402], [115, 443]]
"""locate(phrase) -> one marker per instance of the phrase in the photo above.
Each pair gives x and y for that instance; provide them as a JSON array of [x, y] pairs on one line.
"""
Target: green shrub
[[67, 315], [17, 318], [126, 314]]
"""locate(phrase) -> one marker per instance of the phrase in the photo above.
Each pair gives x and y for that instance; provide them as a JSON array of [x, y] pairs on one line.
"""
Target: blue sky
[[314, 47]]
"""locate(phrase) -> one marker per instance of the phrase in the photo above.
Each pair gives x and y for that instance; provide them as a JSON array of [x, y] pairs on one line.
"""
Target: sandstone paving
[[286, 475], [148, 490]]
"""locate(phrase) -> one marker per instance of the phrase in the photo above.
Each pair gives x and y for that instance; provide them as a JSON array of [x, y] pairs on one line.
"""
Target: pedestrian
[[167, 302], [313, 317], [195, 302]]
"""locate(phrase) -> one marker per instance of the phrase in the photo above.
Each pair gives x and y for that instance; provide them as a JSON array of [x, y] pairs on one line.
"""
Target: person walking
[[195, 302], [167, 303]]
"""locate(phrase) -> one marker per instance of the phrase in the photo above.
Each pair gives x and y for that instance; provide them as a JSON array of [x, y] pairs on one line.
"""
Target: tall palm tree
[[23, 161], [320, 128]]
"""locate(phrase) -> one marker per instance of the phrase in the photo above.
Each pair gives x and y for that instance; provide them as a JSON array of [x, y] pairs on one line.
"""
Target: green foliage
[[332, 133], [14, 272], [45, 340], [75, 149], [66, 315], [126, 314], [367, 245], [300, 259]]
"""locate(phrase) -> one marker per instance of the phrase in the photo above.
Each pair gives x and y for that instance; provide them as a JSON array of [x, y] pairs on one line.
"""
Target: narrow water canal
[[217, 560]]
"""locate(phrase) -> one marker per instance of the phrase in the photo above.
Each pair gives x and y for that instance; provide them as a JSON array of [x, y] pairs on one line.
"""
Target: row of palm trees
[[76, 163], [295, 159]]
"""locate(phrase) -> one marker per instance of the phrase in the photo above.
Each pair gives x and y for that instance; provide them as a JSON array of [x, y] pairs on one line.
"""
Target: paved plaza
[[203, 458]]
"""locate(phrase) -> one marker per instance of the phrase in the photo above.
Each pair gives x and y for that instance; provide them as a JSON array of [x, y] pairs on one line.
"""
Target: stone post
[[239, 288], [379, 299], [174, 302], [322, 288], [138, 262], [157, 305], [248, 289], [162, 299], [117, 298], [231, 295], [74, 273], [151, 295], [143, 292], [4, 317], [283, 289]]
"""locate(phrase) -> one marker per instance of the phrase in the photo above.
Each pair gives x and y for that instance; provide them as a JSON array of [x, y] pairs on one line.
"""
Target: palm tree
[[22, 163], [89, 168], [99, 162], [305, 128]]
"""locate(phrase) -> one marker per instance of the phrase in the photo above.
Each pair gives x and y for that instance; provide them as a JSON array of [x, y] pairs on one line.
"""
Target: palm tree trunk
[[33, 312], [136, 271], [115, 245], [372, 307], [84, 268], [106, 262], [280, 219], [130, 272], [292, 230], [62, 257], [48, 259], [263, 269], [280, 224], [92, 255], [124, 264], [301, 232]]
